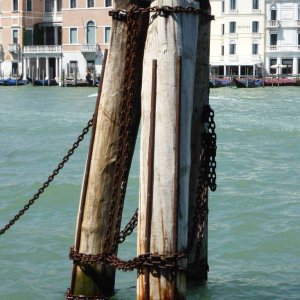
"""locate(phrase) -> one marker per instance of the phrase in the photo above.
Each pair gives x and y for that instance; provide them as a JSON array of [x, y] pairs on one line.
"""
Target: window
[[223, 29], [29, 5], [299, 14], [49, 6], [223, 6], [299, 40], [273, 13], [273, 39], [15, 36], [90, 3], [14, 68], [90, 65], [90, 33], [288, 66], [255, 4], [232, 27], [73, 36], [273, 62], [254, 48], [222, 50], [58, 5], [72, 3], [15, 5], [232, 48], [255, 26], [108, 3], [28, 37], [106, 34], [73, 66], [232, 4]]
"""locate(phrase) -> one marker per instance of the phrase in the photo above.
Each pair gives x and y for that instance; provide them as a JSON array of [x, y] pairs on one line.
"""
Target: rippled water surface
[[254, 219]]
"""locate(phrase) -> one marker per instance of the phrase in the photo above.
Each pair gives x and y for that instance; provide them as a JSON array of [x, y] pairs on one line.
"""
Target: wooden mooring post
[[98, 224], [178, 47]]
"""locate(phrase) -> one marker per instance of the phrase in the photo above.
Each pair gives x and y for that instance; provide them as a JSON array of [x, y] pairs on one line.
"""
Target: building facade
[[237, 37], [282, 53], [255, 37], [40, 39]]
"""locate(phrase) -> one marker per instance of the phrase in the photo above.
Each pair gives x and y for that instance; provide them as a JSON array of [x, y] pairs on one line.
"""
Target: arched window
[[90, 32], [273, 12]]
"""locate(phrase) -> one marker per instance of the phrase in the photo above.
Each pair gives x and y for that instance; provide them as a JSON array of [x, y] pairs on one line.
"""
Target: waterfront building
[[255, 37], [282, 53], [39, 39], [237, 37]]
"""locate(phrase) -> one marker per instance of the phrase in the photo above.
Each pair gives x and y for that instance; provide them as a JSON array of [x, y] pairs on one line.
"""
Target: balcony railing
[[256, 11], [273, 23], [52, 17], [89, 48], [298, 23], [256, 35], [273, 47], [14, 48], [233, 57], [42, 49]]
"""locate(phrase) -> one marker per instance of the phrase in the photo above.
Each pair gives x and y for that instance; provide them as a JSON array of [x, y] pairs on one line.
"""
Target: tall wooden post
[[96, 197], [197, 260], [170, 35]]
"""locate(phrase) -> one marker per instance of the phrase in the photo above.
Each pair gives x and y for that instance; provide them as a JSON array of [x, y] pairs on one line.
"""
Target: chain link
[[129, 227], [50, 178]]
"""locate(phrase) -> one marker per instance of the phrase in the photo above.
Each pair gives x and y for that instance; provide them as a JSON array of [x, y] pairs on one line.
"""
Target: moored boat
[[247, 83]]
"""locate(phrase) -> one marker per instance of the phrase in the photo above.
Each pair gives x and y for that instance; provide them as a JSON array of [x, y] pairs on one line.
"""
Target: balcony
[[273, 47], [256, 11], [233, 35], [52, 17], [233, 57], [256, 35], [46, 49], [90, 48], [273, 24], [13, 48]]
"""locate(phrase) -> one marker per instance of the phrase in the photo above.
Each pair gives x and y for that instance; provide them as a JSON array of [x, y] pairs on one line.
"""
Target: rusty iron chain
[[148, 260], [50, 178], [207, 175], [70, 296], [164, 11], [129, 227]]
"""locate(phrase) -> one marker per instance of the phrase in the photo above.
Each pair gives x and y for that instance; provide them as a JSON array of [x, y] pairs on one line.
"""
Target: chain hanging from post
[[150, 261], [207, 174], [50, 178]]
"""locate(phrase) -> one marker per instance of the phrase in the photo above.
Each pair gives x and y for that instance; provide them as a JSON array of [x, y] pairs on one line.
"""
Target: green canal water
[[254, 216]]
